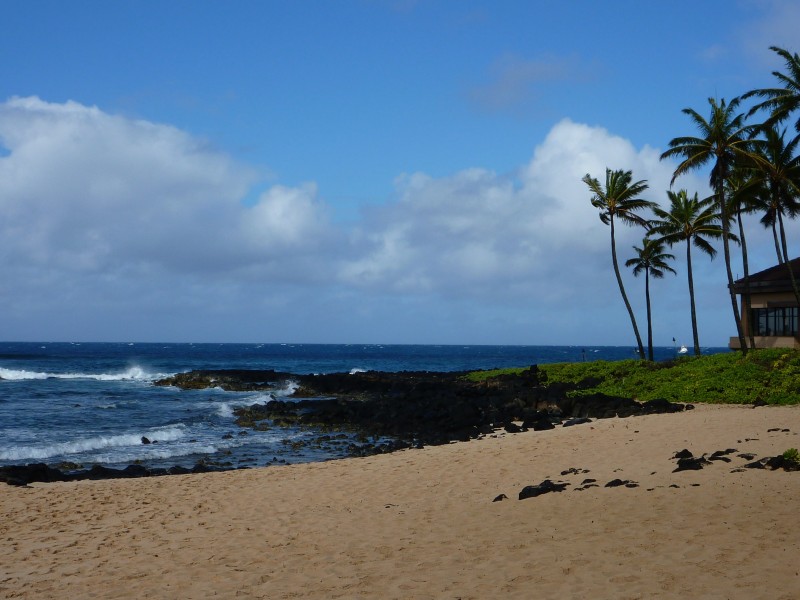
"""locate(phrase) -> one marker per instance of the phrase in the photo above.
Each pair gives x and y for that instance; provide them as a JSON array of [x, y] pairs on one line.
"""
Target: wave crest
[[91, 444], [131, 374]]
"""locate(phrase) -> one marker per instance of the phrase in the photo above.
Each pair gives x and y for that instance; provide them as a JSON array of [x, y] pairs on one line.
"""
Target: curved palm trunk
[[777, 243], [784, 251], [786, 260], [727, 251], [695, 336], [622, 290], [746, 267], [649, 319]]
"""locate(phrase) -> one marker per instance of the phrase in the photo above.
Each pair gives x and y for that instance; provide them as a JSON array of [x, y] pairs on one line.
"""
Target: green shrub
[[772, 376], [792, 456]]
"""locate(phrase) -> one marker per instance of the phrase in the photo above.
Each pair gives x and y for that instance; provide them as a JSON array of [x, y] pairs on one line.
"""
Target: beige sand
[[422, 524]]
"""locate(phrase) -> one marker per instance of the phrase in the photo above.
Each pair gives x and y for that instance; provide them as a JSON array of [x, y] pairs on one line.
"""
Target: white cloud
[[106, 220], [528, 237], [86, 191]]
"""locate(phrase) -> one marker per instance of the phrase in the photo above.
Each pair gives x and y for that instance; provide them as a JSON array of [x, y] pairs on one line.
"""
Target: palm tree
[[652, 261], [779, 170], [619, 199], [769, 219], [783, 101], [725, 141], [742, 188], [690, 220]]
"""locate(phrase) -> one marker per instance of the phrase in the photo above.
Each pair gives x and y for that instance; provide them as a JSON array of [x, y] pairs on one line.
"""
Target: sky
[[358, 171]]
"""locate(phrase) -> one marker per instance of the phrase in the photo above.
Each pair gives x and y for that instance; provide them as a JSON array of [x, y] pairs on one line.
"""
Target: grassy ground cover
[[772, 376]]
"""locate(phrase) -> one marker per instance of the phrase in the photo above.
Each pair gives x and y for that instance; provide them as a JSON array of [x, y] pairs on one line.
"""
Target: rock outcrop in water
[[419, 407]]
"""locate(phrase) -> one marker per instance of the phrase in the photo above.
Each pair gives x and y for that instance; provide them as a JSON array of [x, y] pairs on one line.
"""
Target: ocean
[[83, 404]]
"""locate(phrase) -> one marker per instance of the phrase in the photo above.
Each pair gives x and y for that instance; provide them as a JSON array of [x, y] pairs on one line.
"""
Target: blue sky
[[353, 171]]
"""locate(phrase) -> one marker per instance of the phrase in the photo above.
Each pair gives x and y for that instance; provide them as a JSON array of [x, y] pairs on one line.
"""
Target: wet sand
[[422, 524]]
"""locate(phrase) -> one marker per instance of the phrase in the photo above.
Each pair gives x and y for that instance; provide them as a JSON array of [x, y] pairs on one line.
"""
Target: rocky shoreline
[[393, 410], [421, 408]]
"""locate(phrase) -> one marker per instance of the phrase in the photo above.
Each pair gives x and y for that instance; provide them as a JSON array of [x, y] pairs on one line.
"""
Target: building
[[773, 307]]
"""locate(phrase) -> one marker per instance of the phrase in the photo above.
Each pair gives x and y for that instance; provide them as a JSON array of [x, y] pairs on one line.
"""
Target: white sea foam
[[355, 370], [225, 409], [90, 444], [155, 452], [131, 374], [289, 388], [18, 375]]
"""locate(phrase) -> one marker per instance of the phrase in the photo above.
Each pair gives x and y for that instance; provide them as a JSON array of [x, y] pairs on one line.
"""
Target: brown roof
[[774, 279]]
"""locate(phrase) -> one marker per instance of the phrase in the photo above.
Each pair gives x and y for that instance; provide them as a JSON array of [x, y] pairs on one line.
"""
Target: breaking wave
[[225, 409], [130, 374], [93, 444], [289, 388]]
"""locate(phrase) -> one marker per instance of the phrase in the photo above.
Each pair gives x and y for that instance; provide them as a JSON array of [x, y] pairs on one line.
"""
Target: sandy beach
[[423, 524]]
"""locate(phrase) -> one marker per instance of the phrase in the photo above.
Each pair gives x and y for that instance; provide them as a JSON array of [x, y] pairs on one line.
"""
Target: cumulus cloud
[[504, 236], [103, 216], [86, 191]]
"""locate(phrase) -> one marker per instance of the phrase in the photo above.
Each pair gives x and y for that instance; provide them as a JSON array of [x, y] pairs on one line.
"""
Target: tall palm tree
[[781, 102], [619, 199], [742, 188], [724, 141], [651, 260], [763, 205], [778, 176], [780, 172], [691, 220]]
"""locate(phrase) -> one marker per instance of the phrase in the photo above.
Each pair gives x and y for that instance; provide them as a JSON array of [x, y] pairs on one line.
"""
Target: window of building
[[775, 321]]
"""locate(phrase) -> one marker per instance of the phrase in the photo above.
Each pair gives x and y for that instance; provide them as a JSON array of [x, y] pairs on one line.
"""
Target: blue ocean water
[[92, 403]]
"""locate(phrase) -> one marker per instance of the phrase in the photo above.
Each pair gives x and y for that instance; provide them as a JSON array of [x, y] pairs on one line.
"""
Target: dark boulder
[[547, 486], [42, 473], [661, 406], [622, 482], [31, 473], [691, 464], [722, 455], [781, 462]]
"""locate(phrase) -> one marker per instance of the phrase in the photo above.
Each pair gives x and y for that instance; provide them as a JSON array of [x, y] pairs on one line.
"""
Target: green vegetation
[[792, 456], [771, 376], [478, 376]]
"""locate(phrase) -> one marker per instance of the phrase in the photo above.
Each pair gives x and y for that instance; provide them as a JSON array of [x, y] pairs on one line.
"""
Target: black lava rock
[[547, 486], [622, 482], [691, 464]]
